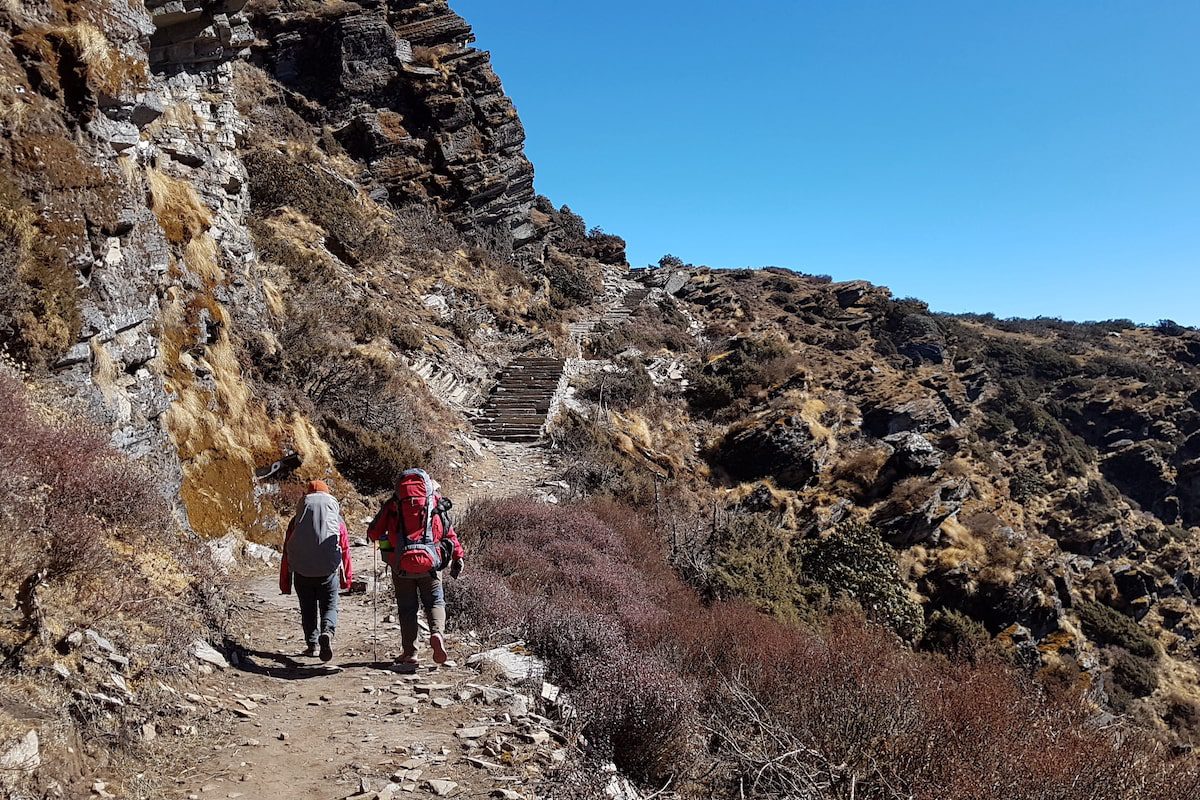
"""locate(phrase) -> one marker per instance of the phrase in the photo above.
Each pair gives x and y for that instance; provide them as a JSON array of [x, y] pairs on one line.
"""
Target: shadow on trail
[[390, 666], [282, 665], [287, 667]]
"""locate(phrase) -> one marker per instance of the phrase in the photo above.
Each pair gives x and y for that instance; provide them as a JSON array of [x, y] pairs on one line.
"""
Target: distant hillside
[[1038, 476]]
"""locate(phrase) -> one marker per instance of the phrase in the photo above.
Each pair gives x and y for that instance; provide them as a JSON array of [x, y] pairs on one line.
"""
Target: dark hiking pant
[[318, 604], [412, 592]]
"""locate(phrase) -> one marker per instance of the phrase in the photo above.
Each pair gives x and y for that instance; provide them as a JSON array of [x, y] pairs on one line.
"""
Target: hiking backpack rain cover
[[416, 502], [314, 549]]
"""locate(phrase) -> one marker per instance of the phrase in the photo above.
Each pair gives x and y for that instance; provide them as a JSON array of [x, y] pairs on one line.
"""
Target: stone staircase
[[529, 391], [629, 296], [517, 408], [624, 309]]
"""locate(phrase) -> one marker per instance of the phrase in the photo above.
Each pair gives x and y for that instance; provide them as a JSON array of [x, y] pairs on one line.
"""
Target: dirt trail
[[506, 469], [313, 731], [359, 727]]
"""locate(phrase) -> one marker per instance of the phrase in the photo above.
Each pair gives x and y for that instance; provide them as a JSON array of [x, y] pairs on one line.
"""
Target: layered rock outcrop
[[402, 91], [126, 147]]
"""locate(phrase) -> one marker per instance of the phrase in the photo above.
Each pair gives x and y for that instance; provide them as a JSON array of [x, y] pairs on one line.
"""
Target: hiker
[[316, 559], [418, 541]]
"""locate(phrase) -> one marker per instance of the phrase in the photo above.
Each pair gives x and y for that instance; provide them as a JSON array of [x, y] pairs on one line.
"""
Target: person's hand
[[456, 568]]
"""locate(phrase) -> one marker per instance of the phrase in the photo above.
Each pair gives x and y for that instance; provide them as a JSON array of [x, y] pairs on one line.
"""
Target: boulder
[[512, 661], [913, 453], [441, 788], [782, 445], [1142, 475], [259, 552], [914, 515], [225, 551], [921, 415], [205, 652], [852, 294], [22, 757], [676, 282]]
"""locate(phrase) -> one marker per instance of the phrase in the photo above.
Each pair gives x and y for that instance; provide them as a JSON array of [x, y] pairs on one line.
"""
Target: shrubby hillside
[[1029, 483]]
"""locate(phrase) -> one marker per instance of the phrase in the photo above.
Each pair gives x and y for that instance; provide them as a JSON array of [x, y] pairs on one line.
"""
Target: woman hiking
[[316, 560], [418, 541]]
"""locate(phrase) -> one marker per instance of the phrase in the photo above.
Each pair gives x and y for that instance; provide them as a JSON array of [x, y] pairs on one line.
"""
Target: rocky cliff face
[[401, 90], [174, 174]]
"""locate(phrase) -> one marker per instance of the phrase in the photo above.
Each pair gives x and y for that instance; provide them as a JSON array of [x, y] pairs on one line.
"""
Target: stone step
[[515, 437], [522, 394], [549, 374], [518, 406], [505, 425], [545, 384], [527, 386], [519, 402], [502, 427]]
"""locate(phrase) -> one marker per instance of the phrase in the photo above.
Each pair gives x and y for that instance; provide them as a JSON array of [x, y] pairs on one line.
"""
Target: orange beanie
[[318, 486]]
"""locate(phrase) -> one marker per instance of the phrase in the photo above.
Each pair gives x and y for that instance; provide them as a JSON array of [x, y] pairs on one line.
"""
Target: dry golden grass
[[179, 210], [963, 547], [200, 256], [273, 298], [180, 116], [223, 433], [13, 113], [108, 70], [18, 223]]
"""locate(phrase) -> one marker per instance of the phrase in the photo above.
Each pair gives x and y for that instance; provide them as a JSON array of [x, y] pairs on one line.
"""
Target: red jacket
[[384, 529], [347, 573]]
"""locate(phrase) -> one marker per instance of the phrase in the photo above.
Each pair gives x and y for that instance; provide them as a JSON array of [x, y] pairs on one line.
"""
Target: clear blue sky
[[1018, 157]]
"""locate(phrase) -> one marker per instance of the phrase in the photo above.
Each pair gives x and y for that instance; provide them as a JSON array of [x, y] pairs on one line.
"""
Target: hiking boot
[[438, 643], [407, 657], [310, 650], [326, 642]]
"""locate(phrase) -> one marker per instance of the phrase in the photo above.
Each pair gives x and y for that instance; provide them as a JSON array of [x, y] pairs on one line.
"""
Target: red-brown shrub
[[842, 710], [642, 715], [483, 600], [574, 642], [64, 492]]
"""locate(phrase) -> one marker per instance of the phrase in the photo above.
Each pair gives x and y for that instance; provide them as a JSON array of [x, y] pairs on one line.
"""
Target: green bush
[[709, 393], [750, 364], [408, 337], [750, 561], [1135, 674], [629, 387], [956, 635], [572, 282], [853, 560], [1108, 626], [371, 459], [1025, 484]]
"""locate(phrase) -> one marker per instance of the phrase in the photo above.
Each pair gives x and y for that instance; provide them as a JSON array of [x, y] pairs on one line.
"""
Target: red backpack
[[419, 527]]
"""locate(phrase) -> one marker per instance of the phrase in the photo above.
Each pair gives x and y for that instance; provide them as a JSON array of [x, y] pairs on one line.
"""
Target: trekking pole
[[374, 606]]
